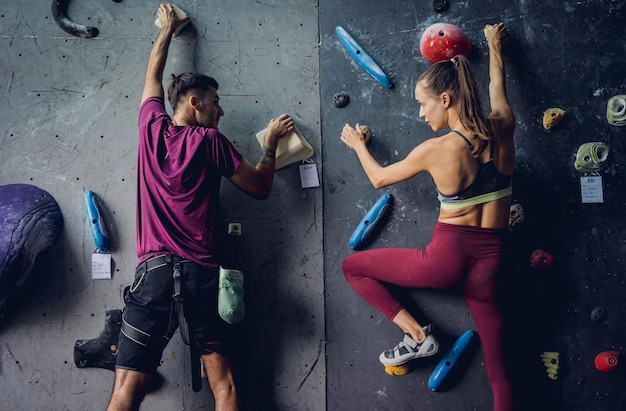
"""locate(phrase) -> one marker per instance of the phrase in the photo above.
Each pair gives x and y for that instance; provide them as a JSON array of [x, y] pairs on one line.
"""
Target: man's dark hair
[[183, 83]]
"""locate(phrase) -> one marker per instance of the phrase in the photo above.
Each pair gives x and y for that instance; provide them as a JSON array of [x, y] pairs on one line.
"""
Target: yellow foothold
[[552, 116], [402, 369], [551, 361]]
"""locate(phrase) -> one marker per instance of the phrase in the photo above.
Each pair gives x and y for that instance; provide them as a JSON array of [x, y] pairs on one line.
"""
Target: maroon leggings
[[455, 254]]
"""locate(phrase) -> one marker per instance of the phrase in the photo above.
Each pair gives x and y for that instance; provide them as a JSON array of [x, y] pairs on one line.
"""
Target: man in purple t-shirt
[[182, 160]]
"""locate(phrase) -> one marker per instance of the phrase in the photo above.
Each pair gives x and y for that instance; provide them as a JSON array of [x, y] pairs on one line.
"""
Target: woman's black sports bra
[[489, 185]]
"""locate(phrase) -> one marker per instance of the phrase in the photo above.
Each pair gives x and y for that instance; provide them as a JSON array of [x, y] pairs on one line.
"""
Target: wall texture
[[564, 54], [68, 123]]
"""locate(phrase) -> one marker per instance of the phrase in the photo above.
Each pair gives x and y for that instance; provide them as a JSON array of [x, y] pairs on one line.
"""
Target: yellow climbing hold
[[551, 361], [552, 116], [616, 110], [401, 369]]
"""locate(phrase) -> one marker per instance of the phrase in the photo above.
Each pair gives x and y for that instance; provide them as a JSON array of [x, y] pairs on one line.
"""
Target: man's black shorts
[[151, 313]]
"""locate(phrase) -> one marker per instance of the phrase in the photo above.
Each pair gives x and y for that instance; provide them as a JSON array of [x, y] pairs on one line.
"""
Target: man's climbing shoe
[[408, 349]]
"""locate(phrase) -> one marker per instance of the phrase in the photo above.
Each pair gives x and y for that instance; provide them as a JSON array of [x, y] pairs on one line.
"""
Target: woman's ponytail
[[456, 77]]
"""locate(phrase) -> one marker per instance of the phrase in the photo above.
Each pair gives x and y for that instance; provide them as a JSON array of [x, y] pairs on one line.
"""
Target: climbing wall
[[68, 122], [560, 55]]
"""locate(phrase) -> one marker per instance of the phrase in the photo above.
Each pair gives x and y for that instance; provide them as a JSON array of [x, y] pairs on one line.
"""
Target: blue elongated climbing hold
[[98, 229], [448, 362], [369, 221], [362, 58]]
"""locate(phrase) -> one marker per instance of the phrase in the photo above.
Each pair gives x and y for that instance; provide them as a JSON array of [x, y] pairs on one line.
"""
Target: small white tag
[[101, 266], [308, 175], [591, 189]]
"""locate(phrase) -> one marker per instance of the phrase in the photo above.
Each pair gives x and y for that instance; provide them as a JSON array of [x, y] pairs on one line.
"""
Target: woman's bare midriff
[[494, 214]]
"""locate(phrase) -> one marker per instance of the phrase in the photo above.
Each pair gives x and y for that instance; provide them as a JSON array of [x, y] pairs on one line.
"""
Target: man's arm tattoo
[[267, 153]]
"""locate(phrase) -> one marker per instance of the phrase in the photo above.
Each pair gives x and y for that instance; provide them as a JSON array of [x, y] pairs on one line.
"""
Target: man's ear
[[193, 102]]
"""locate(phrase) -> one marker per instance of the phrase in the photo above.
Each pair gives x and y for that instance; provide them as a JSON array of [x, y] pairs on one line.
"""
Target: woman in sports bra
[[471, 167]]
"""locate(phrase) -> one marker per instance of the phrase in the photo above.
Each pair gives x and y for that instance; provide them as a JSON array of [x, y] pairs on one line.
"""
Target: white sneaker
[[408, 349]]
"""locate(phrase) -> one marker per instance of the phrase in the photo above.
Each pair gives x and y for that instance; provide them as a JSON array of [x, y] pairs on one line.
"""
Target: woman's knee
[[347, 267]]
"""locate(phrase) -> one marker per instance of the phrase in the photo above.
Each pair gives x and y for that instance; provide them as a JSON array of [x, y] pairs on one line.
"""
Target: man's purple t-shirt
[[178, 185]]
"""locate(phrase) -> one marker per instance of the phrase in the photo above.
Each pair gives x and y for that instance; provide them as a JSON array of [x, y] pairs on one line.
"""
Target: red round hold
[[442, 41], [607, 361], [540, 258]]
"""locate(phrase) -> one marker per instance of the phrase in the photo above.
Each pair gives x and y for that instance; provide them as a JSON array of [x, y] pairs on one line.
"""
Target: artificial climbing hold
[[402, 369], [540, 258], [599, 314], [516, 215], [440, 5], [488, 27], [341, 99], [369, 221], [616, 110], [31, 222], [180, 14], [551, 361], [450, 360], [443, 41], [592, 157], [607, 361], [59, 13], [362, 58], [552, 116], [365, 131], [100, 352]]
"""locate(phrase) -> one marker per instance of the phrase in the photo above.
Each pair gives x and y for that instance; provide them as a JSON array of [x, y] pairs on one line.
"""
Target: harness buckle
[[178, 300]]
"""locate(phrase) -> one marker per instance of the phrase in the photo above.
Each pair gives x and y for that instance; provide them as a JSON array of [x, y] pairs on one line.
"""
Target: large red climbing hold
[[442, 41], [607, 361]]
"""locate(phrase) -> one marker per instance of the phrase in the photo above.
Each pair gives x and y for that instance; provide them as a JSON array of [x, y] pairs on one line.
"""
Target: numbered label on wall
[[591, 189]]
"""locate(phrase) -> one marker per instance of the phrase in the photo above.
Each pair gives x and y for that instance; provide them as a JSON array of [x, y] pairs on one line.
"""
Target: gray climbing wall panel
[[68, 123]]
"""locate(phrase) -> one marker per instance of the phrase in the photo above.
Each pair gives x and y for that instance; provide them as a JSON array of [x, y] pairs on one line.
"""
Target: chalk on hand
[[180, 15]]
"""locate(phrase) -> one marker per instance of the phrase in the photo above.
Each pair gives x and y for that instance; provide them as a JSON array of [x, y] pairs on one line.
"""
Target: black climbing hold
[[341, 99], [440, 5], [59, 12], [599, 314], [100, 352]]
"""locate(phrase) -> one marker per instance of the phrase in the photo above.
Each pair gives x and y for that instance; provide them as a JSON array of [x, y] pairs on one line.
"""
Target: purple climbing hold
[[30, 223]]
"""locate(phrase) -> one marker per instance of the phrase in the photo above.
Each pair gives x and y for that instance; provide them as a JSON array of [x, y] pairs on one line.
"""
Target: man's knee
[[219, 372]]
